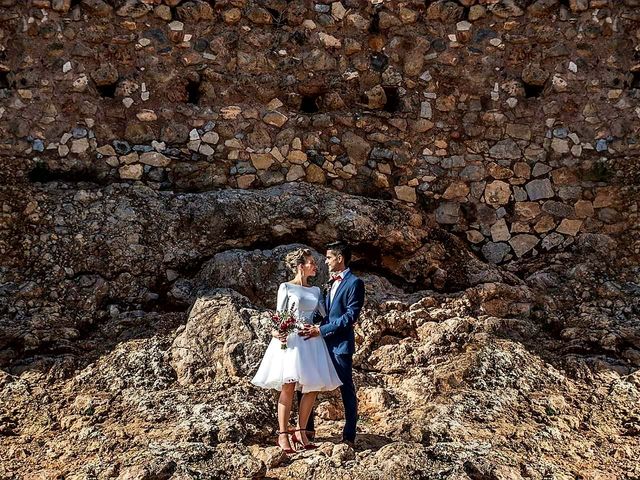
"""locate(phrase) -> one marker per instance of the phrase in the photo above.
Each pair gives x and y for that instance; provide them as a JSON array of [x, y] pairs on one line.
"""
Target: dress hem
[[304, 388]]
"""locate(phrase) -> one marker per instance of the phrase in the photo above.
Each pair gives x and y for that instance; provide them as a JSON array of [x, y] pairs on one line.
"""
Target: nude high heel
[[298, 440], [288, 451]]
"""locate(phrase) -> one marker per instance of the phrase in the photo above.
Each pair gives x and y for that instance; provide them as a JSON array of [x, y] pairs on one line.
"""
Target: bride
[[305, 365]]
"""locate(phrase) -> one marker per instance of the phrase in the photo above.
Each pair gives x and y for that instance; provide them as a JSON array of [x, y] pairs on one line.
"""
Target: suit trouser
[[344, 368]]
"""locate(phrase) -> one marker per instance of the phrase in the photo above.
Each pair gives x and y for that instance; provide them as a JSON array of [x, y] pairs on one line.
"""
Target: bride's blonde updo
[[297, 257]]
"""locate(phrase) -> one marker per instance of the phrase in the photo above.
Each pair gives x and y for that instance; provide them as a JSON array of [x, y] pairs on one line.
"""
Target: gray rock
[[425, 110], [378, 154], [540, 169], [537, 189], [523, 243], [519, 194], [38, 145], [505, 149], [558, 209], [79, 132], [552, 240], [495, 252], [473, 173], [121, 147], [601, 145], [560, 132], [447, 213]]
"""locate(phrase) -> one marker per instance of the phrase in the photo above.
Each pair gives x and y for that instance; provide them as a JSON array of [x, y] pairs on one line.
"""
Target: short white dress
[[305, 362]]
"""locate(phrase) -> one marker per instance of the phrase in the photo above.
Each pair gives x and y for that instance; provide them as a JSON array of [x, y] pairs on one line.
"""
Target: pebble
[[121, 147], [80, 84], [63, 150], [406, 193], [158, 146], [426, 110], [211, 137], [495, 252], [561, 133], [147, 116], [275, 118], [539, 189], [38, 145], [79, 132], [338, 11], [79, 146], [206, 149], [601, 145]]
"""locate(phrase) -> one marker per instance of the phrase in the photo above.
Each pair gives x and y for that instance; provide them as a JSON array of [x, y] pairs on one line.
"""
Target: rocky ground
[[464, 369]]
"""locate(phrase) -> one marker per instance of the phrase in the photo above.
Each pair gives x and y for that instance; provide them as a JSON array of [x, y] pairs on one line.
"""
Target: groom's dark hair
[[343, 249]]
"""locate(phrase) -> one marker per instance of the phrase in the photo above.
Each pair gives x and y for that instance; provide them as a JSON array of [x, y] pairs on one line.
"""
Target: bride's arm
[[281, 301], [281, 305], [321, 308]]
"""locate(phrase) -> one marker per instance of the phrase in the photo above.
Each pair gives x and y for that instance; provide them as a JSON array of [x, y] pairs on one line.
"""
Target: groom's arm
[[355, 301]]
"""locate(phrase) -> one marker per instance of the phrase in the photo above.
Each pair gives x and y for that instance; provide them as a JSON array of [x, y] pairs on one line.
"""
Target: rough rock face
[[446, 390], [497, 117], [219, 340], [159, 158], [132, 247]]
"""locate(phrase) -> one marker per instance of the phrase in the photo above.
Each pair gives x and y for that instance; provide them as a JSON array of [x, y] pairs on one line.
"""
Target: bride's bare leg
[[284, 411], [306, 405]]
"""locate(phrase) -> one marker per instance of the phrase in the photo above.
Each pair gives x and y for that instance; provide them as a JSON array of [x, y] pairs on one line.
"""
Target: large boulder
[[256, 274], [224, 337]]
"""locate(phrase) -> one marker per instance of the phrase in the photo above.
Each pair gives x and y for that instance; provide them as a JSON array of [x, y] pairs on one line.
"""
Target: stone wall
[[507, 121]]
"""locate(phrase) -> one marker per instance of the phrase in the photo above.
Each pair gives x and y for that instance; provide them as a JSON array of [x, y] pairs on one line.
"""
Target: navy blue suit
[[337, 331]]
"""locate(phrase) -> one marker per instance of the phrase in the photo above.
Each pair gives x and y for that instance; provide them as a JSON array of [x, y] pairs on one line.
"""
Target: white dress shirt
[[336, 284]]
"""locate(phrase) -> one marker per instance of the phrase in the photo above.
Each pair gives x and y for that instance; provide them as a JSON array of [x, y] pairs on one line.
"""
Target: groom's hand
[[309, 331]]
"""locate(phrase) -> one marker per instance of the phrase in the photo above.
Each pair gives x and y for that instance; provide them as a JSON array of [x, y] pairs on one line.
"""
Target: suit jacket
[[342, 313]]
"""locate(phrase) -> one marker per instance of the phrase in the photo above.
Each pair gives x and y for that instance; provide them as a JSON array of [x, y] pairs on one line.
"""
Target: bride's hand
[[279, 336]]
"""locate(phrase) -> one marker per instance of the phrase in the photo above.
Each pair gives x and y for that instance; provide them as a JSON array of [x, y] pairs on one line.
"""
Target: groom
[[343, 303]]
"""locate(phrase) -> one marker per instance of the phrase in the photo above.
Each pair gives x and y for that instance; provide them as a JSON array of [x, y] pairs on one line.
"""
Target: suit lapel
[[340, 288], [327, 301]]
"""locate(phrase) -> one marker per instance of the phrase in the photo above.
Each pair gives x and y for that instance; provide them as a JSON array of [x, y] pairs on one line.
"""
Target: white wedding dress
[[305, 362]]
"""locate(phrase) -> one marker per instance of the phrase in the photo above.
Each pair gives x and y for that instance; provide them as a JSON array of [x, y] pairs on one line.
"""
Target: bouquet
[[285, 322]]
